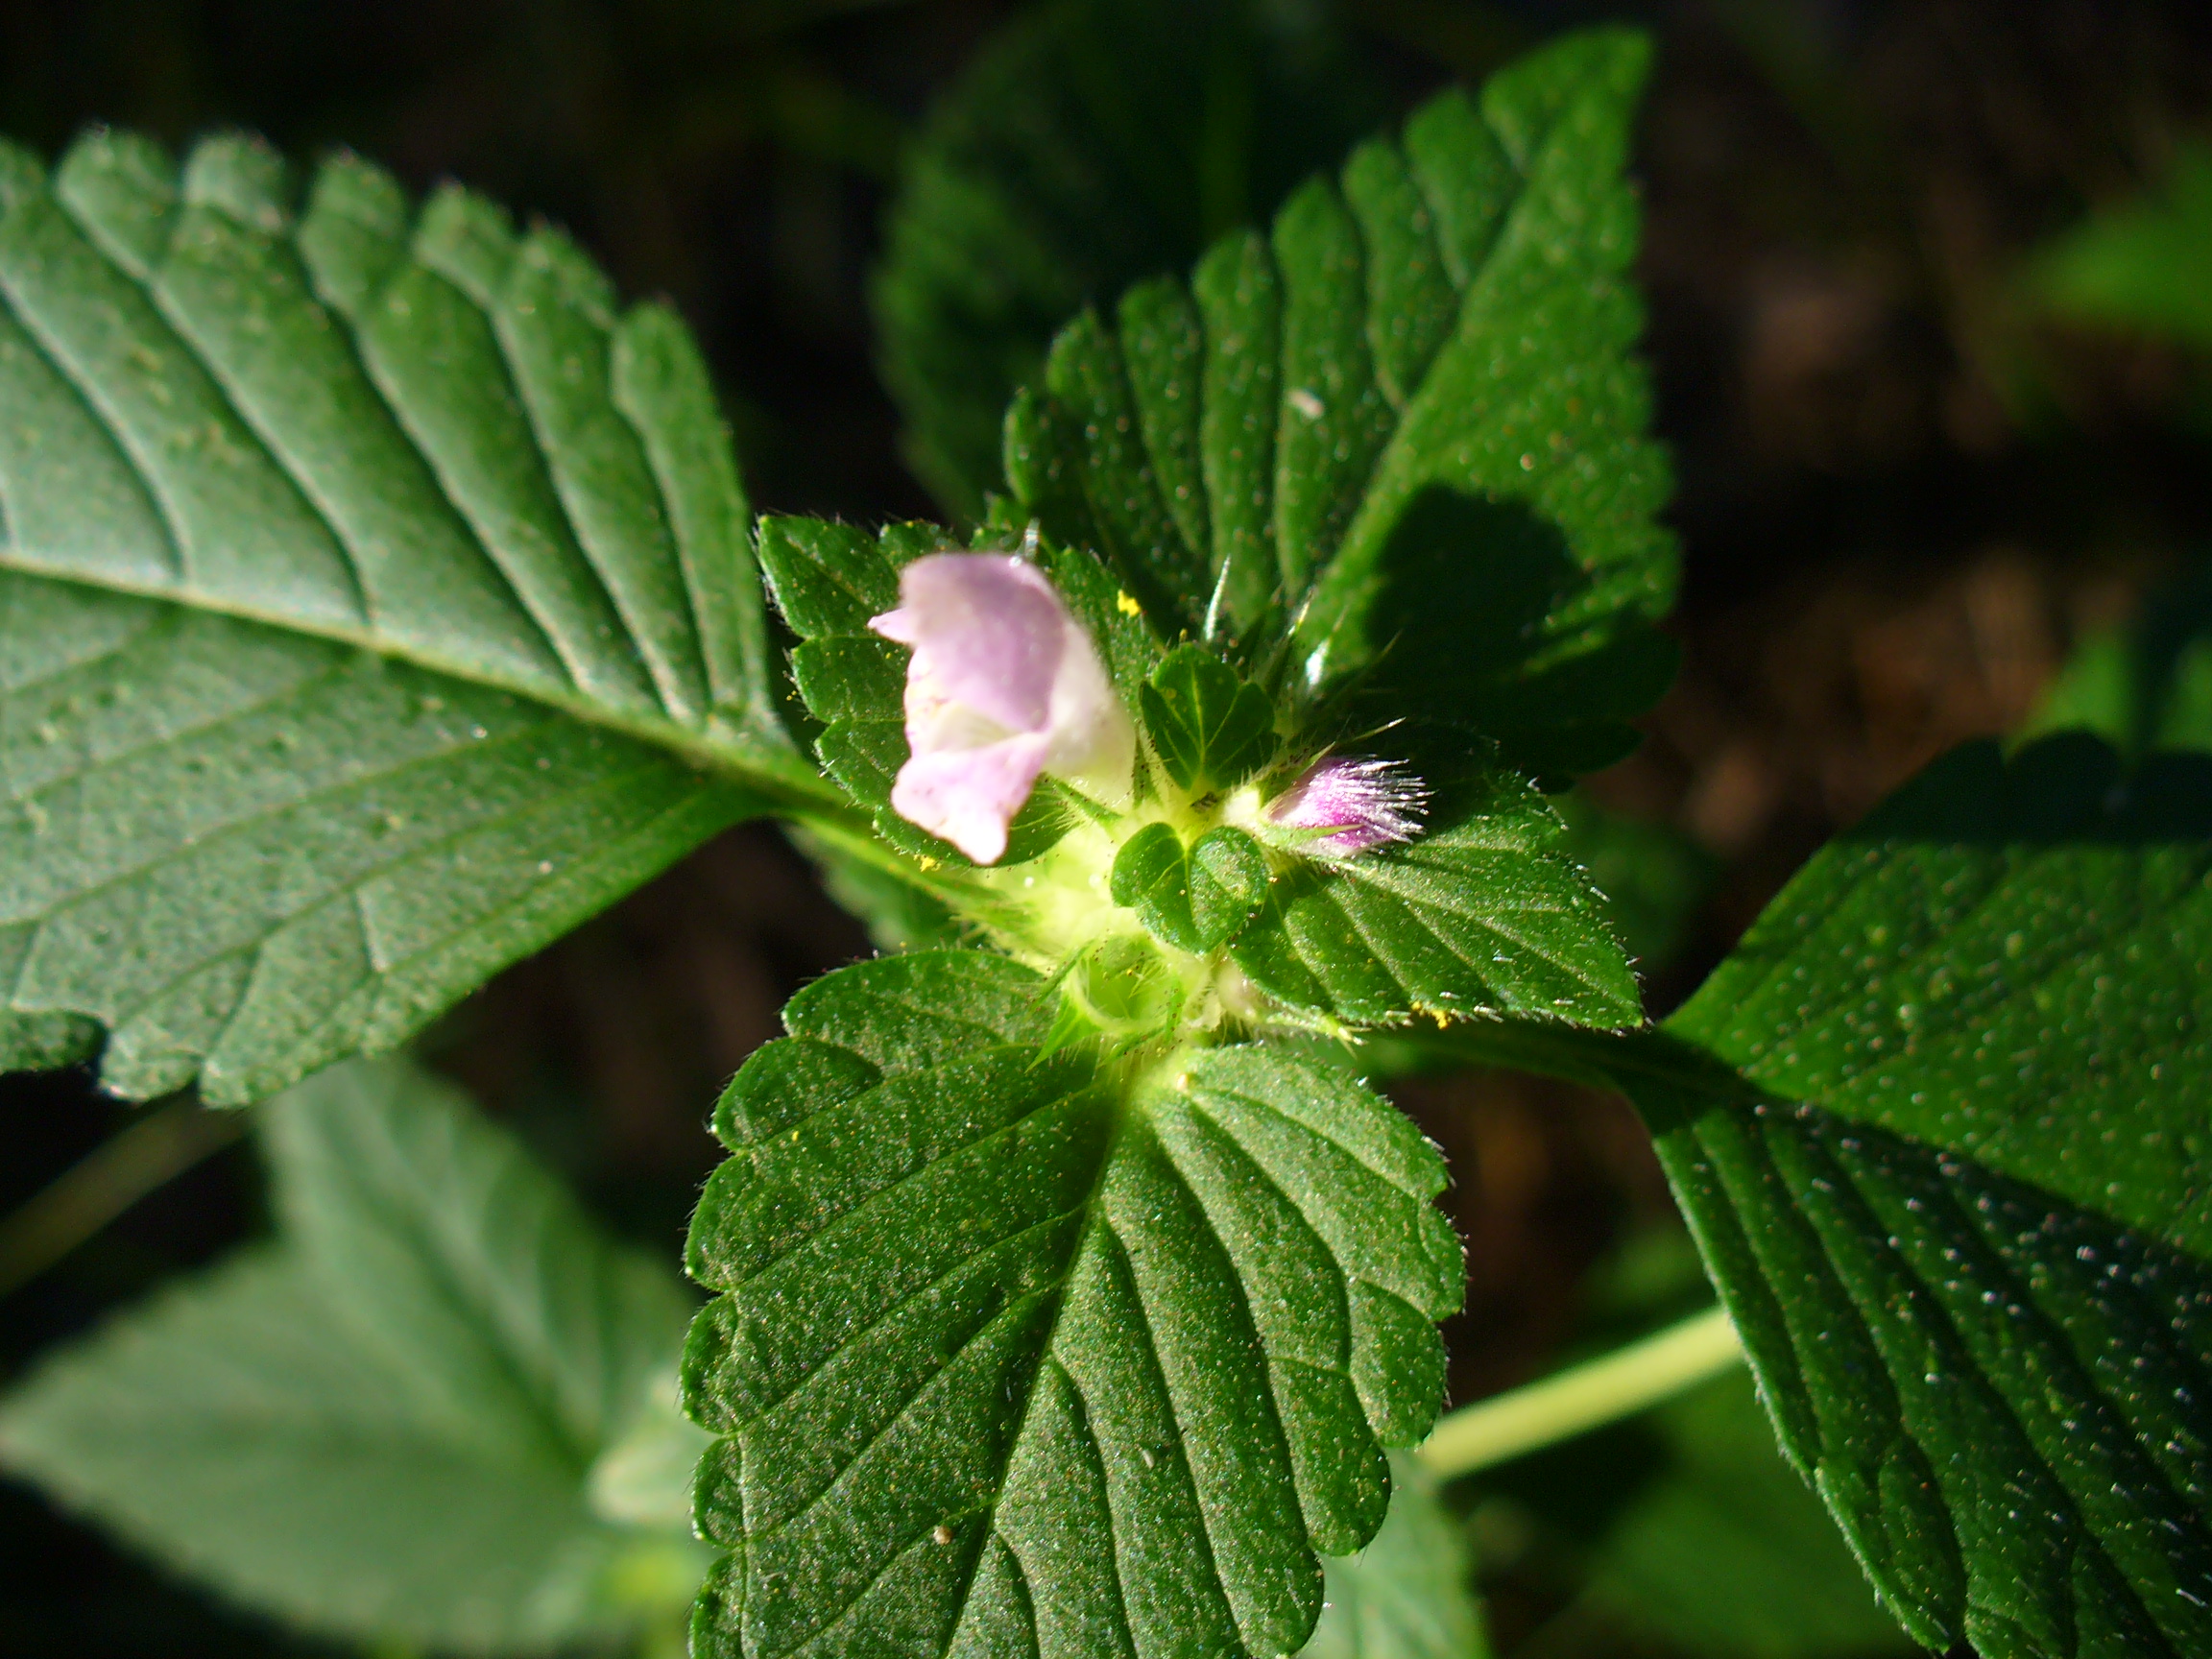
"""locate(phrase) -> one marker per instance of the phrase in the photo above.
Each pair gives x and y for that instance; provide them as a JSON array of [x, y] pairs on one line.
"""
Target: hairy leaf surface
[[381, 1425], [1406, 425], [1952, 1186], [1015, 1355], [375, 604], [1938, 1128]]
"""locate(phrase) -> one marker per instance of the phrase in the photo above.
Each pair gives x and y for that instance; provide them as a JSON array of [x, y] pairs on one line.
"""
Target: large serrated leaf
[[1938, 1128], [1407, 425], [1949, 1172], [375, 604], [2005, 961], [382, 1426], [1012, 1354]]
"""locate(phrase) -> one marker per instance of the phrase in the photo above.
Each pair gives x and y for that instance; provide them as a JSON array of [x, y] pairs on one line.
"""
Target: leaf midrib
[[786, 778], [1087, 1209]]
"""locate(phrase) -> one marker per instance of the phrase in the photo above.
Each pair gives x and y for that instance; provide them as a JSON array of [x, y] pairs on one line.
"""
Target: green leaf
[[1014, 1351], [1409, 1594], [1151, 875], [1405, 426], [2139, 264], [1092, 142], [382, 1426], [1937, 1125], [1228, 884], [1483, 913], [374, 604], [1211, 729], [1937, 1129], [1725, 1552], [2004, 961], [1193, 900]]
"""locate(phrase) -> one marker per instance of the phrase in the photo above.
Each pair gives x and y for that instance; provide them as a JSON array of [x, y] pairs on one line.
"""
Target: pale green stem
[[1600, 1391], [108, 1181]]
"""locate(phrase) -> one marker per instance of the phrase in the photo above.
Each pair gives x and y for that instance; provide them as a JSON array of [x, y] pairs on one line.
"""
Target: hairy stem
[[1583, 1397]]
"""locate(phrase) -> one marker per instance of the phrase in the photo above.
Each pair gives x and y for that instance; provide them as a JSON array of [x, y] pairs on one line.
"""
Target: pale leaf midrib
[[785, 778]]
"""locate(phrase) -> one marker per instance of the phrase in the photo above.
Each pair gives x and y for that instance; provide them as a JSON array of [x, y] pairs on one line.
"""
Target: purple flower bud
[[1003, 684], [1371, 803]]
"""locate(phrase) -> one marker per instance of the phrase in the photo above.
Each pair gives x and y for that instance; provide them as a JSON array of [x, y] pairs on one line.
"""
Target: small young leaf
[[1211, 729], [373, 595], [1010, 1348], [1152, 877], [380, 1427], [1418, 426], [1228, 884], [1194, 899]]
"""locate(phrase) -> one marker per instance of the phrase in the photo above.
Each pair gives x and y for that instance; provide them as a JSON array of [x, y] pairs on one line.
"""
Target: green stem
[[106, 1182], [1583, 1397]]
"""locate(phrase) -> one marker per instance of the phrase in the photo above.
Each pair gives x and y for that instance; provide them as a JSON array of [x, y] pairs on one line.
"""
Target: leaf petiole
[[1583, 1397]]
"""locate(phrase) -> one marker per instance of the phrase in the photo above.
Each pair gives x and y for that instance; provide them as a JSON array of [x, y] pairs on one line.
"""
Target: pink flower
[[1372, 802], [1003, 684]]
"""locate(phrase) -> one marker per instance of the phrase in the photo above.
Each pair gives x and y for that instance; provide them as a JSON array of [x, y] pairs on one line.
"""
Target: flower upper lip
[[1004, 685]]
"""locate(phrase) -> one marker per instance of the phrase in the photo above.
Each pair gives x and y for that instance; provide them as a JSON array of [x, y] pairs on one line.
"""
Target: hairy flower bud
[[1003, 684], [1370, 802]]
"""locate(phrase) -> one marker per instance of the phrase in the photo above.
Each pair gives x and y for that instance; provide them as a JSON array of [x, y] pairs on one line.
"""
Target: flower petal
[[1372, 802], [986, 630], [969, 795]]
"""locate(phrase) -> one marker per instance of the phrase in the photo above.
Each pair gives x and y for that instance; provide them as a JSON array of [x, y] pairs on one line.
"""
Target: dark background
[[1902, 495]]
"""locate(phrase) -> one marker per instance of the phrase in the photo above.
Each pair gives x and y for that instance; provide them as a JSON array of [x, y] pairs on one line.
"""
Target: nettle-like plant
[[378, 599]]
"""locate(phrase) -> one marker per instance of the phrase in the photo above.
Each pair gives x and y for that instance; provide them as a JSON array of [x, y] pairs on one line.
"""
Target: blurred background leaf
[[2144, 263], [1409, 1594], [1678, 1531], [1088, 145], [384, 1425], [2143, 684]]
